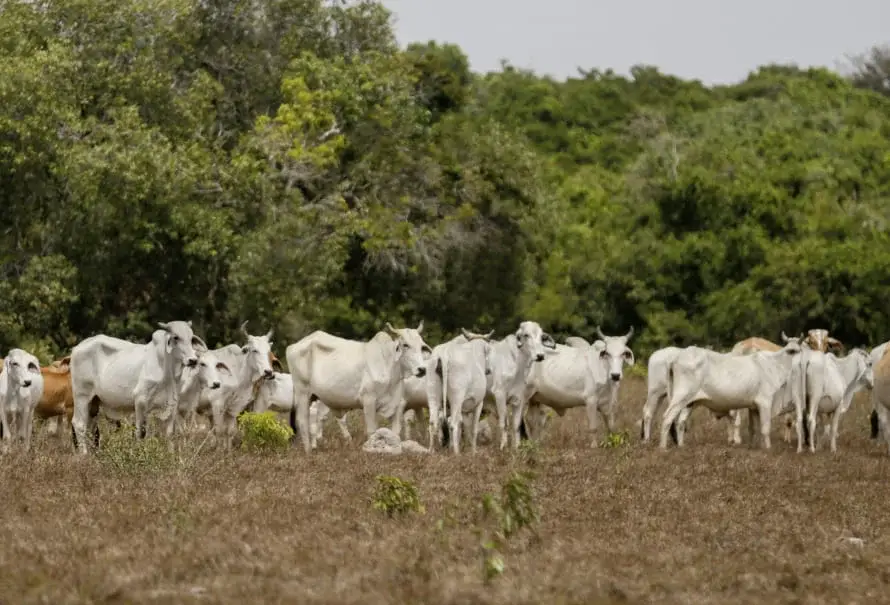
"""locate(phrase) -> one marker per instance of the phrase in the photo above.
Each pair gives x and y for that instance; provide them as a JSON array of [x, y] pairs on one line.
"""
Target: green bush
[[395, 496], [263, 432], [613, 440]]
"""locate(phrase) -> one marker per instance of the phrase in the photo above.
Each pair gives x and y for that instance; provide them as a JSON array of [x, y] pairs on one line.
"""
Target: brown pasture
[[710, 523]]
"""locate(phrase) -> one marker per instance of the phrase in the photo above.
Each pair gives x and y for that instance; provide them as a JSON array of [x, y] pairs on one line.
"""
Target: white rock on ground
[[384, 441]]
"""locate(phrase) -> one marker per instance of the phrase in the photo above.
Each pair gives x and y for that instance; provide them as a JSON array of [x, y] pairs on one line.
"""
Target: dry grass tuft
[[709, 524]]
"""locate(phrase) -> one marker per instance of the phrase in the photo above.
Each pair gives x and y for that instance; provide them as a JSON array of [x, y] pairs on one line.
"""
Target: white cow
[[21, 387], [658, 389], [576, 377], [119, 377], [457, 376], [511, 363], [875, 356], [277, 395], [350, 374], [195, 379], [826, 386], [239, 368], [731, 382]]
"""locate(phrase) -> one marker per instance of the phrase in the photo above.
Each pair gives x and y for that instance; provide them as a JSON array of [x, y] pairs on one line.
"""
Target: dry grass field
[[709, 524]]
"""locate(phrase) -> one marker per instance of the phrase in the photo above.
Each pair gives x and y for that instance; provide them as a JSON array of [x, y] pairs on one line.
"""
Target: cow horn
[[420, 327], [244, 329], [784, 338], [391, 329], [201, 344], [600, 333], [629, 333], [489, 335], [269, 333], [468, 335], [164, 325]]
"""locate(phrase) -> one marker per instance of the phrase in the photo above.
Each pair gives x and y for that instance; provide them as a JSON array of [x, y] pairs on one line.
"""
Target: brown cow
[[57, 403]]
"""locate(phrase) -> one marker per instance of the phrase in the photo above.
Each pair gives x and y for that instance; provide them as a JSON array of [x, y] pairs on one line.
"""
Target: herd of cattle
[[397, 374]]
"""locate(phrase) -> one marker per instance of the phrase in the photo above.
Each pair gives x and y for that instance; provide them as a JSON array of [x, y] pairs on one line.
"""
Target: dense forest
[[286, 162]]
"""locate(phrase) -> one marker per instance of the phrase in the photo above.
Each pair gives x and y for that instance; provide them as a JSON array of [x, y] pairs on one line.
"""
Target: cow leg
[[140, 414], [764, 414], [801, 428], [883, 415], [455, 424], [302, 403], [396, 424], [835, 425], [475, 416], [670, 416], [27, 427], [875, 423], [369, 408], [344, 427], [315, 428], [593, 421], [500, 404], [812, 415], [678, 429], [4, 426], [653, 400], [218, 423], [408, 419], [517, 408], [734, 427]]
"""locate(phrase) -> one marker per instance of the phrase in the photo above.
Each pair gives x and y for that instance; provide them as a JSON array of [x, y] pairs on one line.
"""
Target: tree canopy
[[284, 161]]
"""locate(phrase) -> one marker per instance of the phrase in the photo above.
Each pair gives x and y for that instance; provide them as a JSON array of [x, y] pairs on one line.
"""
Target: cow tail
[[446, 428], [670, 389]]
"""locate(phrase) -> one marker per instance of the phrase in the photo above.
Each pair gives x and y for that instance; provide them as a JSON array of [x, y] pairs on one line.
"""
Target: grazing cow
[[728, 382], [588, 377], [239, 369], [277, 395], [826, 385], [21, 387], [458, 376], [350, 374], [875, 356], [119, 376]]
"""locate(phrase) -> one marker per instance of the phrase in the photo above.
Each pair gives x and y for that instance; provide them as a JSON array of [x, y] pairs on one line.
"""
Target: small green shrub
[[514, 510], [123, 453], [528, 451], [614, 440], [395, 496], [263, 432]]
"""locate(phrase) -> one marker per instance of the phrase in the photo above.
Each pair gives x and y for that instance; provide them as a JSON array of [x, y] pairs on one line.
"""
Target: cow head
[[533, 340], [793, 344], [864, 366], [819, 340], [410, 349], [614, 353], [209, 370], [485, 338], [22, 369], [182, 343], [258, 350]]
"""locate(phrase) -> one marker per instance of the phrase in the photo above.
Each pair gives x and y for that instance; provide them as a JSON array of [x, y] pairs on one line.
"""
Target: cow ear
[[629, 356], [221, 367], [244, 349], [169, 345]]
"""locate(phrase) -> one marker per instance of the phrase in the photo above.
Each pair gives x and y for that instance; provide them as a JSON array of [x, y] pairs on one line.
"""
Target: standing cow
[[350, 374], [21, 387], [121, 377]]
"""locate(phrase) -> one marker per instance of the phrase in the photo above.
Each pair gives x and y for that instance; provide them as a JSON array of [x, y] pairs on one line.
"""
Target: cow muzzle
[[615, 376], [539, 357], [26, 383], [268, 374], [192, 362], [420, 373], [214, 385]]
